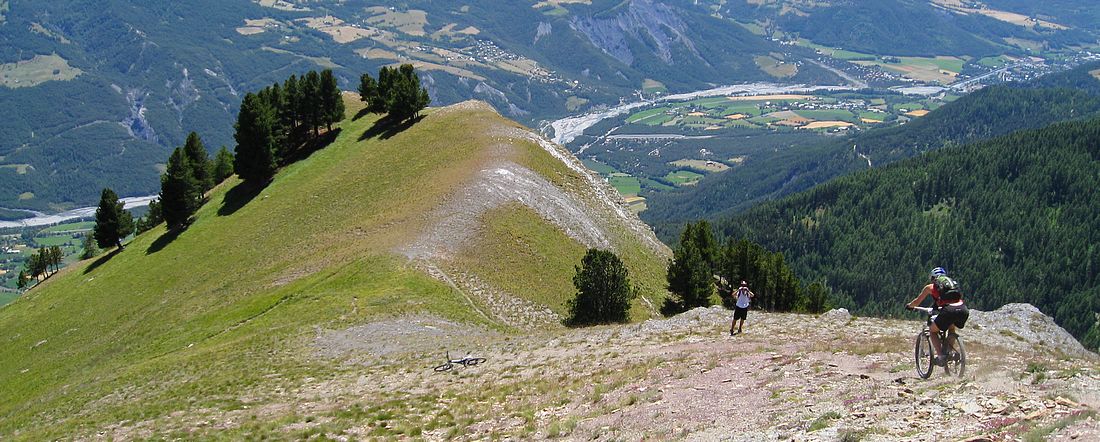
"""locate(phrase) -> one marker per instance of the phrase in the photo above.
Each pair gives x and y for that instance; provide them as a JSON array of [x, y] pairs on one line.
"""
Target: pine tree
[[407, 98], [154, 216], [332, 102], [311, 101], [276, 100], [180, 194], [603, 290], [291, 113], [21, 280], [368, 93], [223, 165], [199, 159], [688, 279], [112, 222], [89, 248], [57, 256], [254, 160]]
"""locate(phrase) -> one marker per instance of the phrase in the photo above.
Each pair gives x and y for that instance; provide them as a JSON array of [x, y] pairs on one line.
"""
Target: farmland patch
[[20, 169], [775, 67], [703, 165], [827, 124], [38, 70], [340, 31], [257, 26], [653, 86], [324, 62], [683, 177], [409, 22], [282, 5]]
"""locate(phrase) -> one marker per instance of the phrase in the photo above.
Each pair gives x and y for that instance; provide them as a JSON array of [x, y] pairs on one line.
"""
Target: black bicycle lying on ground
[[465, 361], [954, 362]]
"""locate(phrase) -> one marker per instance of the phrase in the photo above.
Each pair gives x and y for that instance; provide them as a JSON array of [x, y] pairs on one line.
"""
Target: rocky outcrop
[[641, 20], [1024, 322]]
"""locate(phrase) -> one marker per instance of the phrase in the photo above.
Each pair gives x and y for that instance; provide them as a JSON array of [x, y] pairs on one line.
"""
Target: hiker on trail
[[741, 310]]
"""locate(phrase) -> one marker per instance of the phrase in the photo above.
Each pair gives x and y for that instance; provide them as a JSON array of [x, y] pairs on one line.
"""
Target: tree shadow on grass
[[102, 260], [163, 241], [238, 196], [362, 113], [307, 148], [387, 127]]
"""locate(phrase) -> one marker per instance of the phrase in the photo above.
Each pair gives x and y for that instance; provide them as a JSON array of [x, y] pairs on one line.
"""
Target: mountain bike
[[955, 362], [465, 361]]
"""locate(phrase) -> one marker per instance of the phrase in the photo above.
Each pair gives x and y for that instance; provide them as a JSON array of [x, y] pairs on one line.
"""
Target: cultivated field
[[38, 70]]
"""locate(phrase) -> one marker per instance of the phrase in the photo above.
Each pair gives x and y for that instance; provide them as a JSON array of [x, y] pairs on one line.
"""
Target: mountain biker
[[950, 311]]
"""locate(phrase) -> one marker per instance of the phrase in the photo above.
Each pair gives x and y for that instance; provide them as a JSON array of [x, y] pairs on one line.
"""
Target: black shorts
[[951, 315], [740, 313]]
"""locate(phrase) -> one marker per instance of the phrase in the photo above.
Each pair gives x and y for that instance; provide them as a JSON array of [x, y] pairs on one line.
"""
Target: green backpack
[[948, 289]]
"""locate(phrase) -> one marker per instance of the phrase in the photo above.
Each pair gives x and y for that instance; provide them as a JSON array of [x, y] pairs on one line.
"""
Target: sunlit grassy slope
[[233, 302]]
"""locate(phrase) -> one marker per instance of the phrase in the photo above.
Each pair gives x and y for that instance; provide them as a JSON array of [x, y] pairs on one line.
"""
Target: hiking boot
[[941, 361]]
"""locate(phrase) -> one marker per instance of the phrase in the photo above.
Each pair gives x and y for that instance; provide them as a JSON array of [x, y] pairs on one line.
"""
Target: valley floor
[[787, 377]]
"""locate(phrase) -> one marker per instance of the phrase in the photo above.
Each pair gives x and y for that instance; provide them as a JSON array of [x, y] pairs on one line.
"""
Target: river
[[43, 219], [567, 129]]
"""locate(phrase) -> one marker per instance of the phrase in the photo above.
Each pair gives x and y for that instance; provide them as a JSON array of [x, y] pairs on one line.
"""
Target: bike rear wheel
[[956, 364], [473, 361], [923, 355]]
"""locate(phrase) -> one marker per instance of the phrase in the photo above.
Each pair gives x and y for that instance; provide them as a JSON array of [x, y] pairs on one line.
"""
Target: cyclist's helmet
[[938, 271]]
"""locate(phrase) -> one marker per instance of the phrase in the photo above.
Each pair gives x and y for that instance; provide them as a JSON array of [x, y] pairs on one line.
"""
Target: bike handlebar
[[926, 310]]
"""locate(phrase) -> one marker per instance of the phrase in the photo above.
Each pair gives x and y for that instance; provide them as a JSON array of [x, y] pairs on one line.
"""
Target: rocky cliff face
[[642, 21]]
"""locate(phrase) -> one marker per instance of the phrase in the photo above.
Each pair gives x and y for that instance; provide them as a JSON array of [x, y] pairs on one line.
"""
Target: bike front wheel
[[444, 367], [924, 356]]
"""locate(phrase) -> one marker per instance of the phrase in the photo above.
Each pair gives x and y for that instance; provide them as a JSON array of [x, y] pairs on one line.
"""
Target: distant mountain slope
[[381, 224], [990, 112], [97, 93], [921, 27], [1014, 219]]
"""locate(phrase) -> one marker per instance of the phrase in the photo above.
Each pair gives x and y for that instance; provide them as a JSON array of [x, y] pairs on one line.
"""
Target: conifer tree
[[311, 101], [57, 256], [332, 103], [89, 248], [180, 194], [291, 112], [255, 154], [112, 222], [368, 93], [603, 290], [199, 159], [223, 165], [407, 98], [154, 216], [21, 280]]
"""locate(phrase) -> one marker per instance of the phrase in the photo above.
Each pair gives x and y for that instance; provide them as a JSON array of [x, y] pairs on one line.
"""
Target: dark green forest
[[989, 112], [1014, 219]]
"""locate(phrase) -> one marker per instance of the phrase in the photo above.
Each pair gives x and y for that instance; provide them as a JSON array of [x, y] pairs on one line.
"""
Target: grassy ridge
[[198, 320]]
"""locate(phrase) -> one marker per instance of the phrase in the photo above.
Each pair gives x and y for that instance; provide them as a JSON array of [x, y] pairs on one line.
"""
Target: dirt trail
[[788, 377]]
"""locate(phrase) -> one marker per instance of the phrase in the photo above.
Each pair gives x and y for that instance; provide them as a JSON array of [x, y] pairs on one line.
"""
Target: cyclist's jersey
[[940, 302]]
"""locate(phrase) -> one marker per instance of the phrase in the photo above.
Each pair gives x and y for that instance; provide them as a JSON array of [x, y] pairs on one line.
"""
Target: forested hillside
[[1015, 219], [992, 111]]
